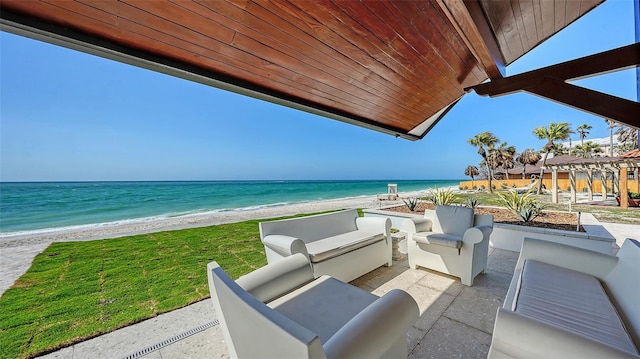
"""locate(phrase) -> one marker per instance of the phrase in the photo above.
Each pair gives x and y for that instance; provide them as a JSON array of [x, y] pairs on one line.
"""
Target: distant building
[[604, 143]]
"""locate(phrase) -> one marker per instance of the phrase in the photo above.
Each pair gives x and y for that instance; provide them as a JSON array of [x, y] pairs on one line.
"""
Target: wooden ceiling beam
[[612, 60], [468, 20], [594, 102], [550, 82]]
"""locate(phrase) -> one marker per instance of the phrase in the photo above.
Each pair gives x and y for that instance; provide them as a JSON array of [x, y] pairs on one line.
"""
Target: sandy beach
[[17, 251]]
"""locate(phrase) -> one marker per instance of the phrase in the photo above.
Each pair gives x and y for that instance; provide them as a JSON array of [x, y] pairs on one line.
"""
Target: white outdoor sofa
[[451, 240], [281, 311], [339, 244], [569, 302]]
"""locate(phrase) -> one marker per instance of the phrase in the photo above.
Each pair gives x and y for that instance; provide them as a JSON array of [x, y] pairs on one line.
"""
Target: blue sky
[[69, 116]]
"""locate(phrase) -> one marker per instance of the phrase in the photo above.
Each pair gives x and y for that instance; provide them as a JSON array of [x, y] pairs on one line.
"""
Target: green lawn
[[78, 290]]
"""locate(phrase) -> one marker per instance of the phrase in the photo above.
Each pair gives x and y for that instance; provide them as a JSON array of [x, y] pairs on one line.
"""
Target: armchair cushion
[[323, 306], [453, 220], [442, 239], [334, 246]]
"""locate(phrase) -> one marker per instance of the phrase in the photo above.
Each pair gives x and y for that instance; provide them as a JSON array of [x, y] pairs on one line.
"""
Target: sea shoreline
[[127, 228]]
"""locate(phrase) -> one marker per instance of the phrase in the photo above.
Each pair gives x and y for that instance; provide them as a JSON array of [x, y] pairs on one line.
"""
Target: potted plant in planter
[[634, 199]]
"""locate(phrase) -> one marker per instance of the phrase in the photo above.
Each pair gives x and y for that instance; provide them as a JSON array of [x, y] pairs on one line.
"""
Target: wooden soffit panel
[[393, 66], [519, 26]]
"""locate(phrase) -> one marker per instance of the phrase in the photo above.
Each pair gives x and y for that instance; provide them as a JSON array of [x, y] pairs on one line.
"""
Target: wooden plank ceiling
[[395, 66]]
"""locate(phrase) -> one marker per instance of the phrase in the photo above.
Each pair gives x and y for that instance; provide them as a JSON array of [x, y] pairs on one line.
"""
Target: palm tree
[[505, 157], [555, 132], [482, 140], [558, 149], [583, 130], [471, 171], [587, 149], [628, 137], [528, 157], [611, 124]]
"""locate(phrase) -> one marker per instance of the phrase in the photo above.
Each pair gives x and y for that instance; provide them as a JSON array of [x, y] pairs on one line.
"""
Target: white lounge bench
[[569, 302], [281, 311], [339, 244]]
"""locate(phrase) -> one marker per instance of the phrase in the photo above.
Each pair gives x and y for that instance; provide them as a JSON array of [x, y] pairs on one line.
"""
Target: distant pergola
[[619, 166]]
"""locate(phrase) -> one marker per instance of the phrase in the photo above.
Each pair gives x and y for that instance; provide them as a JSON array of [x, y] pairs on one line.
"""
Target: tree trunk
[[490, 178], [524, 170], [544, 162]]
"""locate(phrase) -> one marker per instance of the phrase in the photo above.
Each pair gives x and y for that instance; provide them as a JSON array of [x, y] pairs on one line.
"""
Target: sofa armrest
[[285, 245], [374, 224], [278, 278], [415, 225], [376, 329], [582, 260], [476, 235], [518, 336]]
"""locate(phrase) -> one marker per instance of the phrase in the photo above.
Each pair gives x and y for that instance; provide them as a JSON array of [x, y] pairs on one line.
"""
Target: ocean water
[[30, 206]]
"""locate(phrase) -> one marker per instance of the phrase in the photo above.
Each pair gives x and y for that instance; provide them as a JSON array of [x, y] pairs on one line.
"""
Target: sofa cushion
[[442, 239], [324, 305], [570, 300], [453, 219], [330, 247]]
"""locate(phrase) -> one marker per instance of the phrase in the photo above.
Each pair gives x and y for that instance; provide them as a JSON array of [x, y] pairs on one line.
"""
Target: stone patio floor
[[456, 321]]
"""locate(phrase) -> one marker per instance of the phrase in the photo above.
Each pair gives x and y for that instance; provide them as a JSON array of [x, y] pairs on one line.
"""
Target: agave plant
[[442, 197], [411, 203], [472, 202], [523, 205]]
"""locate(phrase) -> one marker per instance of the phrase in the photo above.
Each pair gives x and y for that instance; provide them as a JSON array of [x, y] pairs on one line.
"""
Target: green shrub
[[442, 197], [472, 202], [475, 187], [411, 203], [523, 205]]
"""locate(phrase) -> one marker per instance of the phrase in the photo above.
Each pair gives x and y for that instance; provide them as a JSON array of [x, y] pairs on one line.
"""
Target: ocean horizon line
[[237, 180]]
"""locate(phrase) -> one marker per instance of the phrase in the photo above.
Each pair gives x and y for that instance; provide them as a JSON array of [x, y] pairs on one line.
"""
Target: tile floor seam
[[434, 323], [465, 324], [421, 339]]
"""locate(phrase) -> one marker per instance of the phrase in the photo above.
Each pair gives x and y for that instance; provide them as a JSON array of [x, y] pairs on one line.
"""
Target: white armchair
[[451, 240], [280, 311]]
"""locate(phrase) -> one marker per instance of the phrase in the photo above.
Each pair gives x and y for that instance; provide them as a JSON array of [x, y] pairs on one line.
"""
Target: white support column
[[590, 184], [554, 184], [572, 179]]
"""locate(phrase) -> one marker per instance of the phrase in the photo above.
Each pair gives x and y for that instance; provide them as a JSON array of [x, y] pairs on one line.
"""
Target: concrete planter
[[510, 237]]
